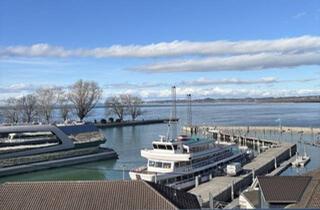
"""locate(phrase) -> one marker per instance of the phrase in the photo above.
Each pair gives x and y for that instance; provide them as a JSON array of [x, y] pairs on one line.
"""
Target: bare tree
[[47, 99], [11, 111], [115, 104], [132, 105], [64, 106], [28, 105], [84, 95]]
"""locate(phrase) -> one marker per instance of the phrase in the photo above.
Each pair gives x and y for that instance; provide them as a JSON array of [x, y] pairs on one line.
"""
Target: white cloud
[[299, 15], [174, 48], [236, 81], [127, 85], [216, 92], [235, 63], [19, 89]]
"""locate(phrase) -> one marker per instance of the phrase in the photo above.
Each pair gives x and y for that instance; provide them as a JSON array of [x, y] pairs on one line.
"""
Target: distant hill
[[291, 99]]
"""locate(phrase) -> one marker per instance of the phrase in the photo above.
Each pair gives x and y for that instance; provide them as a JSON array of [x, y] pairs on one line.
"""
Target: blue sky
[[208, 48]]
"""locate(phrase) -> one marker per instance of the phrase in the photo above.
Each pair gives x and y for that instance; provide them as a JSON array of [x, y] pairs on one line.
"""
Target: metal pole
[[232, 190], [123, 166], [189, 111], [253, 175], [174, 112]]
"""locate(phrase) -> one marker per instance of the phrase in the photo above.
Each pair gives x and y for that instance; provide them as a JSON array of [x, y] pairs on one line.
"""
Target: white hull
[[157, 177], [301, 161]]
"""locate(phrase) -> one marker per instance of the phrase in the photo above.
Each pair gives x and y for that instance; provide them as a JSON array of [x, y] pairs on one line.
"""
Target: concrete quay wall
[[60, 161]]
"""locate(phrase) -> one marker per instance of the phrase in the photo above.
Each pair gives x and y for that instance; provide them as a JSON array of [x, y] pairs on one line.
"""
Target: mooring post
[[232, 190], [290, 152], [210, 176], [275, 162], [210, 200], [197, 181], [253, 174], [200, 200]]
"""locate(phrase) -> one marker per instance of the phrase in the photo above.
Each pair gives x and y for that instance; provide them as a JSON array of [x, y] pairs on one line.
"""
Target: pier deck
[[216, 186], [220, 188], [271, 156], [283, 166]]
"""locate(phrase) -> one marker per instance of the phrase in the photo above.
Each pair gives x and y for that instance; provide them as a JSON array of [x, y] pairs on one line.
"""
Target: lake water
[[128, 141]]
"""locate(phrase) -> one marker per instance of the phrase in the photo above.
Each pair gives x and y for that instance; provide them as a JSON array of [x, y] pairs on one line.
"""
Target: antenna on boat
[[173, 115], [174, 103], [189, 111]]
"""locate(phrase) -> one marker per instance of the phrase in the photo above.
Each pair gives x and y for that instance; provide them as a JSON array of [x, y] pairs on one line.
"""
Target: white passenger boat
[[178, 163]]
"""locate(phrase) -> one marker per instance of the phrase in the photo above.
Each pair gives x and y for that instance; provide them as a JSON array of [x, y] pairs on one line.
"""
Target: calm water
[[127, 141]]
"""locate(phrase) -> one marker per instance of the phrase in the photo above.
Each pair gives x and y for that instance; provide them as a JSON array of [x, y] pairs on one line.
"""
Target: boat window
[[169, 147], [176, 164], [151, 163], [159, 164], [163, 182], [175, 147], [160, 146], [171, 180], [155, 146], [166, 165], [178, 178]]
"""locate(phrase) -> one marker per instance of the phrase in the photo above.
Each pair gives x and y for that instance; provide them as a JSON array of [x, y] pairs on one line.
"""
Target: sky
[[219, 49]]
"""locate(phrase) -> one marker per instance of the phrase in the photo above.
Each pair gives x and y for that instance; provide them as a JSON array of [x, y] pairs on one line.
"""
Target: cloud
[[174, 48], [236, 81], [135, 85], [17, 88], [234, 63], [203, 82], [299, 15], [218, 92]]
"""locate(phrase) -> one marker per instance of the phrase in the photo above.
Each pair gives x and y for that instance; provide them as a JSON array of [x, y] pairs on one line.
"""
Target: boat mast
[[173, 115], [189, 111]]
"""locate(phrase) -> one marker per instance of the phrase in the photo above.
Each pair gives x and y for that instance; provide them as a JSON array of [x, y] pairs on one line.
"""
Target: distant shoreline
[[212, 101]]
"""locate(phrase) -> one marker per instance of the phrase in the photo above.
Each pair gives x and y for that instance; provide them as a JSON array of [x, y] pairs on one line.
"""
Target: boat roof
[[79, 128], [193, 140], [197, 140]]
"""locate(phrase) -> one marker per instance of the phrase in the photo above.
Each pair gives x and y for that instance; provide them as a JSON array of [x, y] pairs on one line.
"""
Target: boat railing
[[182, 181], [5, 140], [209, 161], [140, 169]]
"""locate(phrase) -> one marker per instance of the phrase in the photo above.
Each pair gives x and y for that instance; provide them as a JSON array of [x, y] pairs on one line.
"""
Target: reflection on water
[[128, 141]]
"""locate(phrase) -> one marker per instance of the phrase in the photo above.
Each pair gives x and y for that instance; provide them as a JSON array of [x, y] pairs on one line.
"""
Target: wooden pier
[[273, 161]]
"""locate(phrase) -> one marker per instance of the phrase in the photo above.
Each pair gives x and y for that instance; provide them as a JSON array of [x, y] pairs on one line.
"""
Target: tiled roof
[[311, 196], [283, 189], [91, 195]]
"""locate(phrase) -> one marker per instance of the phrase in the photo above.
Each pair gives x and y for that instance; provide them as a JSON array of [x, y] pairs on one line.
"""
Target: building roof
[[252, 197], [93, 195], [283, 189], [311, 196], [179, 198]]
